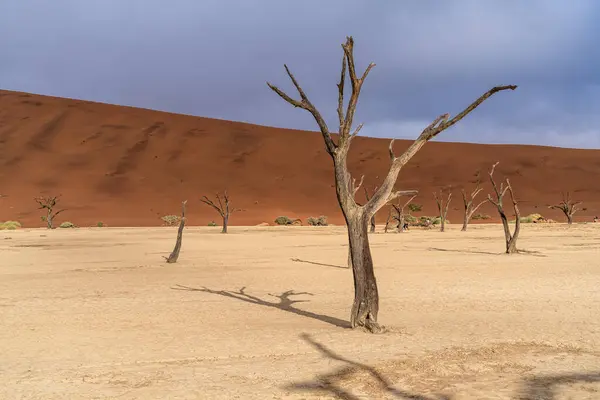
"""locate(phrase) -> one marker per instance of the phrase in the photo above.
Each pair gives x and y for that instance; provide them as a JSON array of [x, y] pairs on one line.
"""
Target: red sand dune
[[128, 167]]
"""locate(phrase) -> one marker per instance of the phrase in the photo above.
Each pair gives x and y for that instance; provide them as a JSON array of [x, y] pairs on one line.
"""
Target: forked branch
[[442, 208], [511, 239], [567, 206], [468, 202], [222, 206], [48, 203]]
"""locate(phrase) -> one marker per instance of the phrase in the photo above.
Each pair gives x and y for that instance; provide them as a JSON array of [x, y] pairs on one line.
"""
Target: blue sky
[[213, 57]]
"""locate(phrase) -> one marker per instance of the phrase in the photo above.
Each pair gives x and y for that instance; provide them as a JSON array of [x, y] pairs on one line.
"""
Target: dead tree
[[222, 208], [48, 203], [511, 239], [366, 298], [567, 206], [368, 197], [400, 216], [468, 202], [442, 208], [175, 253]]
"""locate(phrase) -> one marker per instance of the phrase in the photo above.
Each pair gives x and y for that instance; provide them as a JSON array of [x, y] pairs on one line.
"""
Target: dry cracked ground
[[261, 313]]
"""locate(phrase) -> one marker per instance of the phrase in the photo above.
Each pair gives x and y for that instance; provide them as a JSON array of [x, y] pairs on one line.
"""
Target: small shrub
[[171, 219], [212, 223], [320, 221], [44, 218], [438, 220], [532, 218], [100, 224], [410, 219], [481, 216], [10, 225], [414, 207], [283, 220], [67, 224]]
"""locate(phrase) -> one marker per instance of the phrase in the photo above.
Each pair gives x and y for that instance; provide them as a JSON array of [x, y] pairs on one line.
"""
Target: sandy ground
[[95, 314]]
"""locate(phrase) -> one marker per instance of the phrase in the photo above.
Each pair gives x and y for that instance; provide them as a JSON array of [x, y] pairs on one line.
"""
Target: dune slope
[[128, 167]]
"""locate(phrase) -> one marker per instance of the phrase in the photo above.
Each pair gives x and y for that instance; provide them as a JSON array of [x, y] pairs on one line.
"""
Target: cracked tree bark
[[365, 307]]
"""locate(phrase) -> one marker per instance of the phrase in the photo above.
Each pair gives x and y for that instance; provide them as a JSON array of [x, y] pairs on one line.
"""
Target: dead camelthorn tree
[[511, 239], [567, 206], [442, 207], [175, 253], [469, 204], [368, 197], [400, 216], [48, 203], [222, 208], [366, 298]]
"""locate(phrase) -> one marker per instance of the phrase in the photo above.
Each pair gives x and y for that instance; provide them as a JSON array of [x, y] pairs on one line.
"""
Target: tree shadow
[[318, 263], [285, 302], [330, 382], [544, 387], [466, 251]]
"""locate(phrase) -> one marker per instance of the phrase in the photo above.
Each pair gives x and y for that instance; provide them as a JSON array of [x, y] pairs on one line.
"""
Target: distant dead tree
[[511, 239], [567, 206], [442, 207], [48, 203], [222, 208], [366, 298], [175, 253], [468, 202], [400, 216], [368, 197]]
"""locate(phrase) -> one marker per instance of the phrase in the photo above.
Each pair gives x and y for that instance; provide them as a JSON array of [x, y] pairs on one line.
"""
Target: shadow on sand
[[285, 303], [318, 263], [544, 387], [466, 251]]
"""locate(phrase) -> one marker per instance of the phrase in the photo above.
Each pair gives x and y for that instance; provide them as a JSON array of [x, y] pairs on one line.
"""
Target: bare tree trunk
[[222, 207], [567, 206], [510, 239], [175, 253], [443, 211], [366, 299], [50, 220], [225, 222], [387, 221], [372, 221], [366, 296], [48, 203], [465, 222]]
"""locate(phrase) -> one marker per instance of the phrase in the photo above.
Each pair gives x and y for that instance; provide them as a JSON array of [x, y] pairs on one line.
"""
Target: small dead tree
[[469, 204], [567, 206], [511, 239], [366, 297], [400, 216], [222, 207], [48, 203], [442, 208], [368, 197], [175, 253]]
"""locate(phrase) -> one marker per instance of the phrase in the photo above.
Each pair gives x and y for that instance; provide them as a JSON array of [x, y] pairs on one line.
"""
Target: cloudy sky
[[213, 57]]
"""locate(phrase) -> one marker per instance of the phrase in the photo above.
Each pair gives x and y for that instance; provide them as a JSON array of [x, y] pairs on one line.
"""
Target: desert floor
[[261, 313]]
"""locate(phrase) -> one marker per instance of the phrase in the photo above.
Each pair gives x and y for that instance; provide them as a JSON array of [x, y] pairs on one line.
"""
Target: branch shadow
[[285, 303], [318, 263], [329, 382], [466, 251], [544, 387]]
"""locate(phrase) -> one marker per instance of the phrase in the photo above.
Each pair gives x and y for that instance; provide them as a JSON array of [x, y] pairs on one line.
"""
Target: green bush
[[100, 224], [532, 218], [481, 216], [171, 219], [10, 225], [317, 221], [410, 219], [283, 220], [67, 224], [212, 223], [414, 207]]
